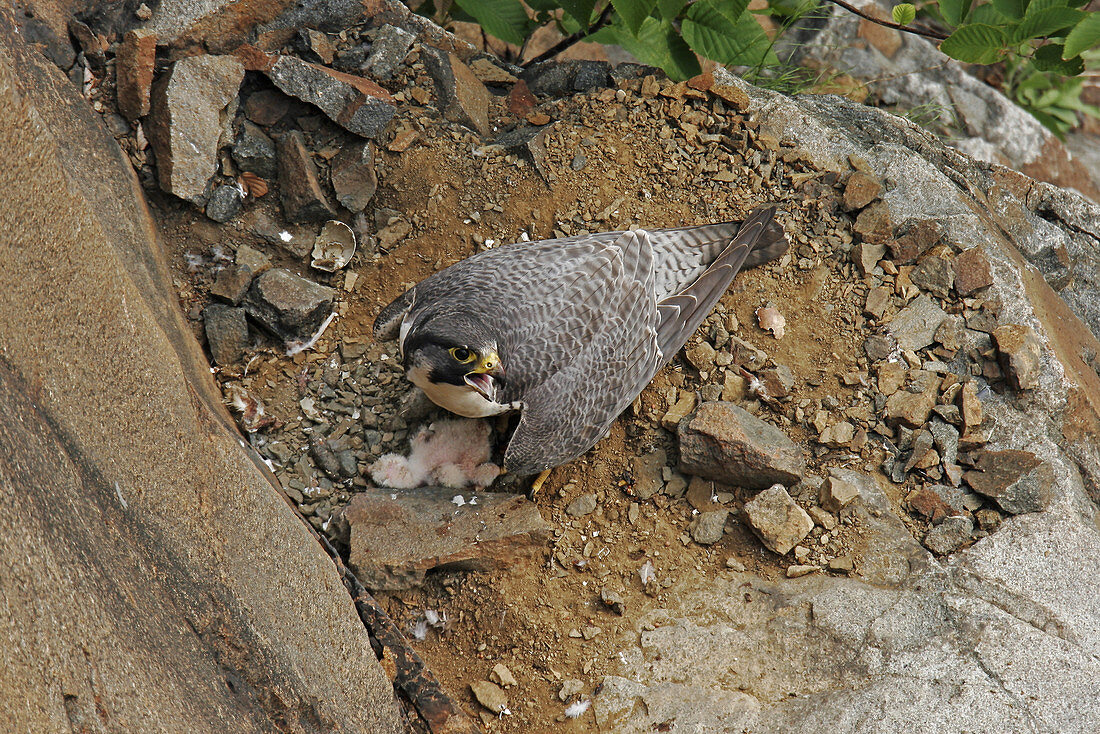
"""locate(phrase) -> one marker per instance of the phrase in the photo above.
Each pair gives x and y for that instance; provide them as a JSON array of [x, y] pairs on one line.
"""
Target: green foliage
[[1042, 42], [904, 14]]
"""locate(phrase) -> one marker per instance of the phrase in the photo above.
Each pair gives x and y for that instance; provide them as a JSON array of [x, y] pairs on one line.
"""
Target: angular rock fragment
[[836, 494], [837, 436], [708, 527], [723, 442], [949, 535], [915, 325], [462, 96], [866, 256], [1018, 481], [288, 305], [1018, 349], [929, 504], [915, 240], [254, 151], [353, 176], [490, 695], [777, 519], [356, 104], [879, 346], [225, 202], [226, 333], [252, 259], [585, 504], [530, 142], [396, 536], [388, 51], [970, 407], [878, 299], [303, 198], [647, 473], [934, 274], [873, 224], [134, 63], [972, 271], [860, 191], [909, 409], [232, 283], [188, 111]]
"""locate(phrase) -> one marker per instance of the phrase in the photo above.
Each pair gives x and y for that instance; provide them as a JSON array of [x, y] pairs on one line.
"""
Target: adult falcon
[[567, 331]]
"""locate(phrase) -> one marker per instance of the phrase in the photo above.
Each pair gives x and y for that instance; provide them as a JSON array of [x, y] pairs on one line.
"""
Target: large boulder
[[153, 578]]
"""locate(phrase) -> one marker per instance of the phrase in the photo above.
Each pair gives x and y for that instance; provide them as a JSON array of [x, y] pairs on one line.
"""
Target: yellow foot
[[537, 484]]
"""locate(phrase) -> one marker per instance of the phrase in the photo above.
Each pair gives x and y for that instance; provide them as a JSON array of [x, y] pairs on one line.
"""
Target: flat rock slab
[[726, 443], [287, 304], [915, 326], [462, 96], [354, 103], [1018, 481], [397, 536]]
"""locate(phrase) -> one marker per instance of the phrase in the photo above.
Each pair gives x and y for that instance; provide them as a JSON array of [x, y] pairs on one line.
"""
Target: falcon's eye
[[462, 355]]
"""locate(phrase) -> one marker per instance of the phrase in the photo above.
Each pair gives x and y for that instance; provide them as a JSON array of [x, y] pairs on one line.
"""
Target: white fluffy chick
[[451, 453]]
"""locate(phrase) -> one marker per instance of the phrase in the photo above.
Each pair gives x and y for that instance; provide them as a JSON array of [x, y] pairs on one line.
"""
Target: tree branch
[[890, 24]]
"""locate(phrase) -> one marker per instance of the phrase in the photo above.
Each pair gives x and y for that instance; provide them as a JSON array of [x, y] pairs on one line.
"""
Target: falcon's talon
[[537, 484], [567, 331]]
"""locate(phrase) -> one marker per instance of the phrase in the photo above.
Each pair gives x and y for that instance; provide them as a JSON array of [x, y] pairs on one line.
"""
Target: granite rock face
[[146, 587]]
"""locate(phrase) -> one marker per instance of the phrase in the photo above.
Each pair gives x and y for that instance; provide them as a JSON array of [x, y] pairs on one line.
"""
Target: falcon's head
[[456, 364]]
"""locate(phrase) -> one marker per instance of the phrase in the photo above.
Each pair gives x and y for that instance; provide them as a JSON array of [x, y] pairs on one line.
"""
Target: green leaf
[[976, 43], [1085, 35], [713, 34], [954, 11], [581, 10], [1045, 22], [1049, 58], [656, 44], [505, 19], [904, 13], [732, 9], [670, 8], [989, 15], [1037, 6], [1011, 8], [634, 12]]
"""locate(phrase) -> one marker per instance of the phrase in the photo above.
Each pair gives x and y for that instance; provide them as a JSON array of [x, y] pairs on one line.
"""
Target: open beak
[[481, 377]]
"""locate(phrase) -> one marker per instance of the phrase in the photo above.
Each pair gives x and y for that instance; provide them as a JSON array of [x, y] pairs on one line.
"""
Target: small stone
[[777, 383], [949, 535], [490, 695], [708, 527], [988, 520], [915, 325], [950, 332], [873, 224], [680, 410], [928, 504], [701, 356], [734, 387], [225, 202], [837, 436], [878, 347], [866, 256], [777, 519], [252, 259], [267, 106], [325, 459], [735, 565], [917, 239], [288, 305], [891, 376], [842, 564], [1018, 481], [935, 275], [232, 283], [723, 442], [319, 44], [226, 333], [570, 687], [946, 439], [388, 51], [538, 118], [613, 600], [356, 104], [302, 196], [462, 96], [909, 409], [836, 494], [591, 632], [860, 191], [530, 142], [353, 176], [502, 676], [822, 517], [970, 407], [582, 505], [579, 162], [647, 473], [795, 571], [972, 272], [878, 300], [949, 413], [746, 355], [1018, 349], [134, 64], [254, 151], [700, 494], [490, 73], [188, 106]]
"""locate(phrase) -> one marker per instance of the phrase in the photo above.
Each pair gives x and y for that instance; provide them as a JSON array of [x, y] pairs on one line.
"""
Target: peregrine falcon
[[567, 331]]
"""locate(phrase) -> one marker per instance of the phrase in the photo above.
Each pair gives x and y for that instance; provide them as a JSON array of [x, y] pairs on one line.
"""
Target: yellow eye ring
[[462, 355]]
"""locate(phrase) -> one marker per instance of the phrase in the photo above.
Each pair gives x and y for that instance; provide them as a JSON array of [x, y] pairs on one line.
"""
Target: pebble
[[570, 687], [502, 676], [836, 494], [490, 695], [777, 519], [1019, 349], [797, 570], [613, 600], [949, 535], [708, 527], [735, 565], [915, 325], [582, 505]]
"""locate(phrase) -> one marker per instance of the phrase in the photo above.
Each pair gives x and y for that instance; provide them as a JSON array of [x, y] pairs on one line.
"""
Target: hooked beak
[[481, 377]]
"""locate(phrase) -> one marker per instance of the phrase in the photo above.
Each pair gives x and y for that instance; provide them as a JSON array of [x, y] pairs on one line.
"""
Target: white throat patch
[[460, 399]]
